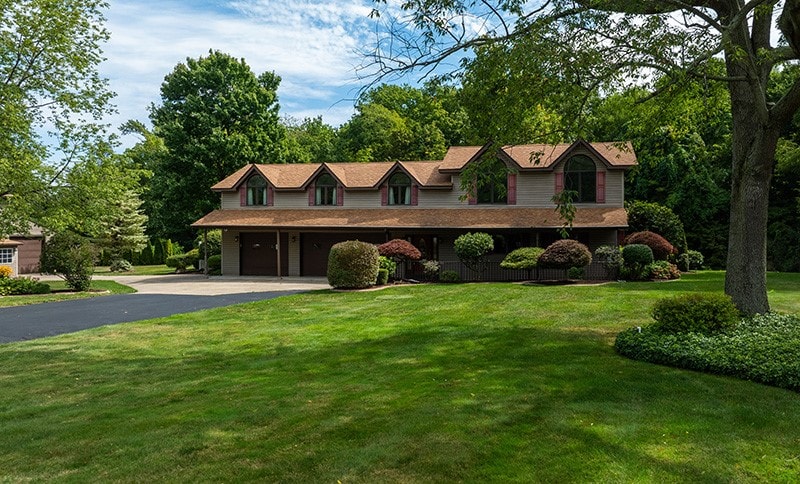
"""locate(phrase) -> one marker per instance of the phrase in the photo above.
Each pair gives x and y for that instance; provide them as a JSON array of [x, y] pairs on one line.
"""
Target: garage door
[[258, 254]]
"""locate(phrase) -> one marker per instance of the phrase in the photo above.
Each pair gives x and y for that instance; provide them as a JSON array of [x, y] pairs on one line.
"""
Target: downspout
[[205, 252], [278, 252]]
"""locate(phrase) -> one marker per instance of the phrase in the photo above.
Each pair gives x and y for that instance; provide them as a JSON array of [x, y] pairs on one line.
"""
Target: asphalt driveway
[[158, 296]]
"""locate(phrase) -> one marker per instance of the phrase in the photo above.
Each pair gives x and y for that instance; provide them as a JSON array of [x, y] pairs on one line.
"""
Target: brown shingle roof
[[382, 218], [427, 173], [543, 156], [9, 243]]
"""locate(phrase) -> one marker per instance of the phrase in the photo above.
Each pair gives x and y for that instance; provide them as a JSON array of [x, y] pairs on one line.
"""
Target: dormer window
[[493, 183], [325, 190], [256, 190], [580, 176], [399, 189]]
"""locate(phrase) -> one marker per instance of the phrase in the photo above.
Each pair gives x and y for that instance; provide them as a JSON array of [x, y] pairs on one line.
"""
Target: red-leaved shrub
[[660, 246], [399, 249], [565, 253]]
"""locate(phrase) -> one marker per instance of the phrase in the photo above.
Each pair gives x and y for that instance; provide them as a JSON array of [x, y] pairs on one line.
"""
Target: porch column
[[278, 252]]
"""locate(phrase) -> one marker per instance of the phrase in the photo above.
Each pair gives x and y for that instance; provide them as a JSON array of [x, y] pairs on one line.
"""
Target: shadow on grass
[[429, 403]]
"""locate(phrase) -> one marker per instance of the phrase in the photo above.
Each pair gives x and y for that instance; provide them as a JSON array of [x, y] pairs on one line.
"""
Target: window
[[256, 190], [493, 182], [399, 189], [325, 190], [6, 256], [580, 176]]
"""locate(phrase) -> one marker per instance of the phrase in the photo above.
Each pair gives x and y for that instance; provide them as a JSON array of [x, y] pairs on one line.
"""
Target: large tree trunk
[[746, 276], [754, 141]]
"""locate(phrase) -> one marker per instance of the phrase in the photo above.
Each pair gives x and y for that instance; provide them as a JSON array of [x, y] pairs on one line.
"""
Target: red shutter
[[512, 189], [414, 194], [559, 182], [601, 187], [339, 195], [270, 196], [242, 195], [384, 195], [311, 199]]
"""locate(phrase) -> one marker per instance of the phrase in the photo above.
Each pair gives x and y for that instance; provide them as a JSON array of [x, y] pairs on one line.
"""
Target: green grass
[[153, 270], [98, 288], [474, 382]]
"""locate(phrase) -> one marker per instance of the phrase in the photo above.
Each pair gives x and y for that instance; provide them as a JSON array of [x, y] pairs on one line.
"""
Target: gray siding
[[362, 199], [294, 254], [535, 189], [291, 199], [230, 253]]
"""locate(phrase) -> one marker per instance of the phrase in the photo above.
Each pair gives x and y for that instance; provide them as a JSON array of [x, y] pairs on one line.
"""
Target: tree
[[49, 52], [587, 46], [70, 256], [216, 116], [310, 141], [122, 228]]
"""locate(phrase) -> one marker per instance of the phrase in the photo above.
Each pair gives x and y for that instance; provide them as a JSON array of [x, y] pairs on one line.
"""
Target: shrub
[[383, 277], [388, 264], [214, 241], [575, 273], [193, 258], [764, 349], [70, 256], [399, 249], [12, 286], [5, 272], [449, 276], [610, 256], [472, 247], [430, 268], [120, 265], [215, 265], [662, 270], [691, 260], [657, 218], [352, 264], [661, 248], [522, 258], [636, 259], [177, 261], [695, 313], [565, 253]]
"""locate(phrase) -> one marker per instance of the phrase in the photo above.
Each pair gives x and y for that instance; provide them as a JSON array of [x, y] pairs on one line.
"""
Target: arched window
[[493, 182], [325, 190], [256, 190], [399, 189], [580, 176]]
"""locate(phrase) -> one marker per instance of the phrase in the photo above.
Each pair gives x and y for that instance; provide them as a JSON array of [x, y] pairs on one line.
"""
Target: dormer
[[325, 190]]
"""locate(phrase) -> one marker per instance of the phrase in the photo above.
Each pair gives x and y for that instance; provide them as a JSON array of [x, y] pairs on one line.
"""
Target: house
[[283, 219], [9, 255], [29, 250]]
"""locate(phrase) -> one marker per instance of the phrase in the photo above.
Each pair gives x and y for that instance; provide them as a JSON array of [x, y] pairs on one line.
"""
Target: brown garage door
[[29, 253], [315, 247], [258, 254]]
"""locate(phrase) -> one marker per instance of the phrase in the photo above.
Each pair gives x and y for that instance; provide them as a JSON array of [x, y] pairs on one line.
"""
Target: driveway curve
[[157, 296]]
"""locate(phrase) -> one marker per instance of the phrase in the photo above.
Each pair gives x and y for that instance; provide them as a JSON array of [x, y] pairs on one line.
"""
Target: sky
[[314, 46]]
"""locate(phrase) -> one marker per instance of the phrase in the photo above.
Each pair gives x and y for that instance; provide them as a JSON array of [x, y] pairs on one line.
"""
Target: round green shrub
[[575, 273], [522, 258], [193, 258], [177, 261], [449, 276], [383, 277], [215, 264], [661, 248], [353, 265], [12, 286], [472, 247], [565, 253], [214, 242], [702, 313], [120, 265], [637, 255]]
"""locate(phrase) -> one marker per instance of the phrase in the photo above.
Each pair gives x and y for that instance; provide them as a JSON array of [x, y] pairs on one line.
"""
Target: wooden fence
[[492, 272]]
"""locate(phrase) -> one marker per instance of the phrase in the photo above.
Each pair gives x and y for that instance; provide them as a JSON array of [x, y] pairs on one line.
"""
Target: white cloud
[[311, 45]]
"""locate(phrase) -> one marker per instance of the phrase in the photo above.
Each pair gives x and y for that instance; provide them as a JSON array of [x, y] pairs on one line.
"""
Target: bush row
[[12, 286], [764, 349]]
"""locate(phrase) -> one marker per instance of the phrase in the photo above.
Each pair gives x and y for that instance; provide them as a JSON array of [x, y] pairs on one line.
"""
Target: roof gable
[[542, 156]]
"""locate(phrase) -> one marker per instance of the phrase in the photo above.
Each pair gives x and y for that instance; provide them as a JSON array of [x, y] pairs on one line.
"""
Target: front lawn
[[62, 293], [152, 270], [474, 382]]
